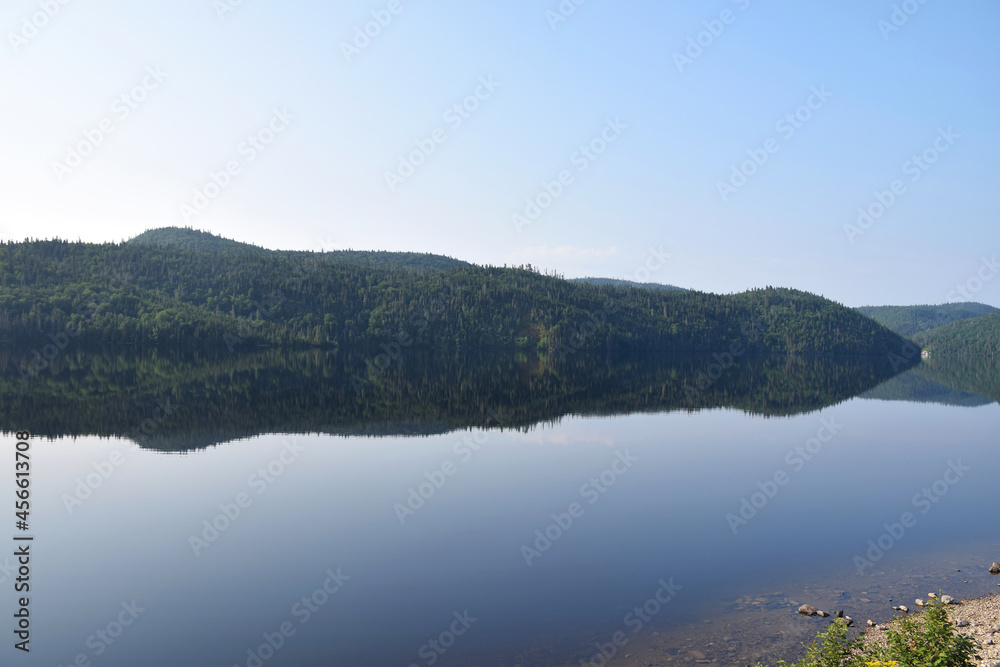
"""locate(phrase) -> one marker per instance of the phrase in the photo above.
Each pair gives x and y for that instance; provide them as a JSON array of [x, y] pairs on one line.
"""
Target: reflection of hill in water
[[942, 380], [228, 398]]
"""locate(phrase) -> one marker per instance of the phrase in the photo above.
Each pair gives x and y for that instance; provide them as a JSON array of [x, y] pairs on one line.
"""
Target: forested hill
[[976, 339], [614, 282], [910, 320], [193, 239], [168, 296]]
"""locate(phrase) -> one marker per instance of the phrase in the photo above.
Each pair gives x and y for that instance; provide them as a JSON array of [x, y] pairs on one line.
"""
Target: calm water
[[369, 545]]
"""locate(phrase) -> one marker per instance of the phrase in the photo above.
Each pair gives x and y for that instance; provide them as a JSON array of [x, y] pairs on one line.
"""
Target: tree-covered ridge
[[195, 400], [615, 282], [193, 239], [164, 296], [910, 320], [976, 339]]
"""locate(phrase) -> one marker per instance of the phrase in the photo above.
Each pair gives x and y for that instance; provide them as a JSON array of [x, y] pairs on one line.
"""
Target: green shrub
[[930, 640]]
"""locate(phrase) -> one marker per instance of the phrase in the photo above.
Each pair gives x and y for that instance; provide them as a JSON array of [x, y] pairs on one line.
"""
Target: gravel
[[983, 618]]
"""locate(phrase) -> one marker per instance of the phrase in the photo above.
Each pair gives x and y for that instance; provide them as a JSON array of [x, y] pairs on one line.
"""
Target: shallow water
[[634, 507]]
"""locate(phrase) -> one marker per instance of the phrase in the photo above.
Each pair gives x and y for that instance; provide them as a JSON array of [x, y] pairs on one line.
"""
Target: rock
[[903, 608], [822, 614], [919, 602], [995, 568], [961, 624], [871, 623], [947, 599], [840, 614], [850, 621], [697, 655], [883, 627], [808, 610], [932, 596]]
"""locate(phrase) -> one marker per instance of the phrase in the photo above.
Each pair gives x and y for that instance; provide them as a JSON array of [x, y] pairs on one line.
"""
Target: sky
[[845, 148]]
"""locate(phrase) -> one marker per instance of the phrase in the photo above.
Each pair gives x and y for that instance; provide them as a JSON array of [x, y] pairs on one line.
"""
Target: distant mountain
[[976, 339], [193, 239], [615, 282], [910, 320]]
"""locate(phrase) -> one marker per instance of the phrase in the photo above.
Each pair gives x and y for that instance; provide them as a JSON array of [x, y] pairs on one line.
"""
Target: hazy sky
[[738, 137]]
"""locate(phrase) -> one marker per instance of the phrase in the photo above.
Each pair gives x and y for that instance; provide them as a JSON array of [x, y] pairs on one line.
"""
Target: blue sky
[[308, 131]]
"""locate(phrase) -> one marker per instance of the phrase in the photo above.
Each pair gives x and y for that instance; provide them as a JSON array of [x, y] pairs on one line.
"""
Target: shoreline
[[764, 627], [976, 617]]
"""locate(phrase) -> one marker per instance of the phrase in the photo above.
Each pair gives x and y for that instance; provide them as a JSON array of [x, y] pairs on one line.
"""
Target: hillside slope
[[615, 282], [975, 338], [193, 239], [153, 295], [910, 320]]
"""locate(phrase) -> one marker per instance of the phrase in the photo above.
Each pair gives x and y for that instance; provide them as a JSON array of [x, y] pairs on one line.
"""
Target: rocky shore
[[978, 618], [768, 627]]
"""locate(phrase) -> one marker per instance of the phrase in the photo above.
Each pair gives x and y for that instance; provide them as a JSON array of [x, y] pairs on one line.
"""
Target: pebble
[[995, 568]]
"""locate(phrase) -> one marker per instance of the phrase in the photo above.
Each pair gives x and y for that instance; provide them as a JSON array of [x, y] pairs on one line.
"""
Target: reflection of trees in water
[[226, 397]]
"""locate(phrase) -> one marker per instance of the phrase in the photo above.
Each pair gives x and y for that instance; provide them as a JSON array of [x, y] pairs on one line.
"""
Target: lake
[[313, 508]]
